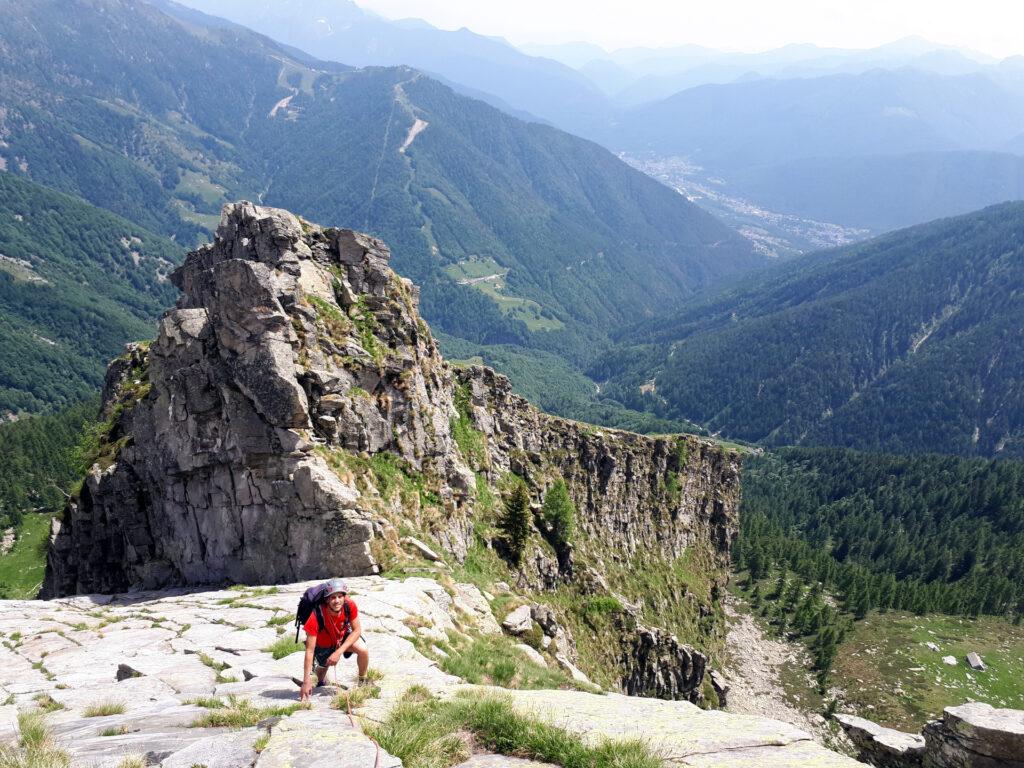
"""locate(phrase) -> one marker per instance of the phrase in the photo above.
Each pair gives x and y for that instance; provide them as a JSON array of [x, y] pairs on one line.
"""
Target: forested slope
[[911, 342], [76, 283], [516, 232]]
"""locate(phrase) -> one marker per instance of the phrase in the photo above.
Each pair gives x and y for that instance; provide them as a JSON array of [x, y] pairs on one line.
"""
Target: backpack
[[311, 602]]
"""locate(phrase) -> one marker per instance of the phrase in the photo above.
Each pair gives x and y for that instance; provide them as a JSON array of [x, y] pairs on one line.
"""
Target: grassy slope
[[21, 569], [884, 664]]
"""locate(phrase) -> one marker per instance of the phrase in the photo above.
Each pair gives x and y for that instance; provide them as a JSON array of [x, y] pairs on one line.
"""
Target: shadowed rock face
[[295, 353]]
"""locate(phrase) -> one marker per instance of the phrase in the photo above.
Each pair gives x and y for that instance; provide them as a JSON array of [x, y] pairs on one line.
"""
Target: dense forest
[[917, 533], [911, 342], [76, 284], [41, 463]]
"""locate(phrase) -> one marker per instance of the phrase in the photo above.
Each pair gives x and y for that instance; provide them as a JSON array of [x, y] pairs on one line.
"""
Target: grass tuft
[[425, 733], [104, 708], [284, 646], [35, 748], [241, 713]]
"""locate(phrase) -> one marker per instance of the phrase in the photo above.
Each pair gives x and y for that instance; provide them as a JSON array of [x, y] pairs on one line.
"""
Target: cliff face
[[294, 365]]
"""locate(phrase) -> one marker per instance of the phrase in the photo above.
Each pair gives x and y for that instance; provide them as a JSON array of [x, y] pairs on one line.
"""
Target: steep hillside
[[76, 283], [884, 192], [510, 227], [342, 31], [909, 342]]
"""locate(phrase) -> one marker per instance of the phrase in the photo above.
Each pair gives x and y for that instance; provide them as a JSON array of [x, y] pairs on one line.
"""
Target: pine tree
[[514, 522], [559, 513]]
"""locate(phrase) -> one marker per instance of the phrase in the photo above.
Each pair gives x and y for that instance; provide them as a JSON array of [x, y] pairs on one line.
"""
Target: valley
[[662, 406], [771, 233]]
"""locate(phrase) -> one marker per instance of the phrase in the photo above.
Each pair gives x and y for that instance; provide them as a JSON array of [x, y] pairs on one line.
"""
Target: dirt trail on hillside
[[755, 661]]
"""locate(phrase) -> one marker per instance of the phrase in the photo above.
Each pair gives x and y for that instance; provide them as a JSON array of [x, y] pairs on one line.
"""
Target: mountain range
[[911, 342], [517, 232]]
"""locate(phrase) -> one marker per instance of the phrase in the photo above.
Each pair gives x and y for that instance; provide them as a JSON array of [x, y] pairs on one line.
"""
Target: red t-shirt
[[334, 626]]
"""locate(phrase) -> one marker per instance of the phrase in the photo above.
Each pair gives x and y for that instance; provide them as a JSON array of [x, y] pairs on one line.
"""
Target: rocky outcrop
[[294, 413], [883, 747], [973, 735], [656, 664], [286, 337]]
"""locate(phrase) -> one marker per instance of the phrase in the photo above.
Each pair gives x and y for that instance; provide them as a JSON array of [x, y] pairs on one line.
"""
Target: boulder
[[883, 747], [976, 734], [519, 621], [975, 662]]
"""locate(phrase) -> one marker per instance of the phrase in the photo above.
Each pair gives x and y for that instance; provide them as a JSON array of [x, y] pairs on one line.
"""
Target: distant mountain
[[728, 127], [884, 192], [635, 76], [339, 30], [76, 283], [911, 342], [509, 227]]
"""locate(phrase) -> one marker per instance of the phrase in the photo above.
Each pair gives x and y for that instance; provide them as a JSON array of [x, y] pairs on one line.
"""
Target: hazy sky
[[990, 26]]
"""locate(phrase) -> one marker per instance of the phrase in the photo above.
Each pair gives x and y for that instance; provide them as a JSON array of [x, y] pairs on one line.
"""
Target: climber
[[333, 631]]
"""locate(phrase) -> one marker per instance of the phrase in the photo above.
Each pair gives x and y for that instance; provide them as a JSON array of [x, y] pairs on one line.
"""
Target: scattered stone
[[950, 660], [975, 662], [572, 669], [932, 646], [532, 654], [721, 686], [422, 548], [519, 621]]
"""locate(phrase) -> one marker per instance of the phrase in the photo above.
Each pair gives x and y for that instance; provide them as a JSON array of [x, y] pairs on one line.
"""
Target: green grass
[[495, 660], [120, 730], [425, 733], [284, 646], [192, 183], [356, 697], [47, 703], [241, 713], [35, 748], [104, 708], [22, 569], [884, 662], [488, 277]]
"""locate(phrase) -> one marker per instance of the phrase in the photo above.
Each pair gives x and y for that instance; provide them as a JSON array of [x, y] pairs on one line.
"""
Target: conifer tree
[[559, 513], [514, 521]]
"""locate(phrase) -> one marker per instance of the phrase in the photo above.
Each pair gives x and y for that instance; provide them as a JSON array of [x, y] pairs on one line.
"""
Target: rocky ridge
[[133, 675], [294, 414]]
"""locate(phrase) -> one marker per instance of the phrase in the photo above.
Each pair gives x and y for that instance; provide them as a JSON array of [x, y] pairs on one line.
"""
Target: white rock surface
[[143, 651]]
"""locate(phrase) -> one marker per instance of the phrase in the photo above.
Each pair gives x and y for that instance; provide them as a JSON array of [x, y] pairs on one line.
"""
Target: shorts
[[320, 653]]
